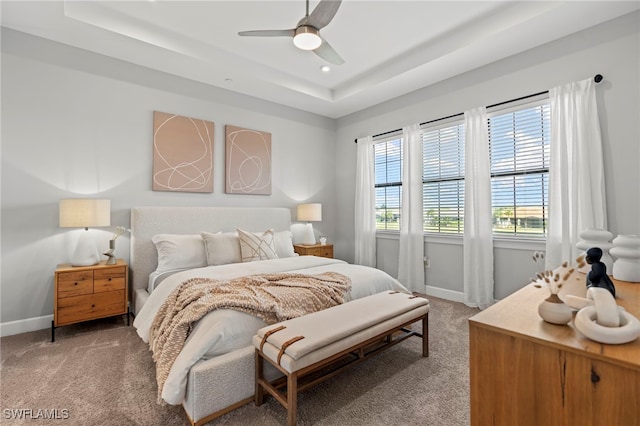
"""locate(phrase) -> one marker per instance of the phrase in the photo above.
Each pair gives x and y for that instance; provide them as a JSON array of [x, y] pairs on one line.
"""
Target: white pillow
[[256, 246], [179, 251], [284, 244], [222, 248]]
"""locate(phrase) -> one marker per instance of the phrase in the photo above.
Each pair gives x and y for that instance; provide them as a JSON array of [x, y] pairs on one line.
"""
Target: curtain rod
[[597, 78]]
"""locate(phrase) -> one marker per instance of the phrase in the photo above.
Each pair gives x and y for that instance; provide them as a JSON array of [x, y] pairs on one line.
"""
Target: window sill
[[519, 243], [501, 242]]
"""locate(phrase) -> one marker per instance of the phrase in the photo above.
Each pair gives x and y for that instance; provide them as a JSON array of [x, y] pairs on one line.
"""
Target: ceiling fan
[[306, 34]]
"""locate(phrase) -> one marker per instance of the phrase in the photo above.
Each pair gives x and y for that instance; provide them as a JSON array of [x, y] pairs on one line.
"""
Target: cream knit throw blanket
[[271, 297]]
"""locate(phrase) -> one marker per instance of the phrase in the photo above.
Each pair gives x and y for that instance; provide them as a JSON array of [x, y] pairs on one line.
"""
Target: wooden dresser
[[83, 293], [525, 371]]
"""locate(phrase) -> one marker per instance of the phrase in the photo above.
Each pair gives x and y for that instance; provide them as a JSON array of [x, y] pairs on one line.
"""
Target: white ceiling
[[390, 47]]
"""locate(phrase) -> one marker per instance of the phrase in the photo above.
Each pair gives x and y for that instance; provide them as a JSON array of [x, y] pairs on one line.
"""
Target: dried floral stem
[[553, 279], [119, 231]]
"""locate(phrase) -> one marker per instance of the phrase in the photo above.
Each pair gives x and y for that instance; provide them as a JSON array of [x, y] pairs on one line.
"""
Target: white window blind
[[519, 139], [388, 183], [443, 179], [519, 146]]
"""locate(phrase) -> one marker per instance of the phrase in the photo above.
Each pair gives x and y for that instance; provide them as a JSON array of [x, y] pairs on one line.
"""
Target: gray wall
[[77, 124], [611, 49]]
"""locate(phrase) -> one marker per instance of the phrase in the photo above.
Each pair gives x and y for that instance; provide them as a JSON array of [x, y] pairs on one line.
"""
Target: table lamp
[[85, 213], [311, 212]]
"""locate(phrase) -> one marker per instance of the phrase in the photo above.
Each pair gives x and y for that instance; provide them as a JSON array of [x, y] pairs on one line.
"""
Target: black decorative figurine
[[598, 277]]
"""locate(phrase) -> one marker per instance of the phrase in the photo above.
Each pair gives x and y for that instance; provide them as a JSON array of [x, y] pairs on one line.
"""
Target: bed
[[214, 373]]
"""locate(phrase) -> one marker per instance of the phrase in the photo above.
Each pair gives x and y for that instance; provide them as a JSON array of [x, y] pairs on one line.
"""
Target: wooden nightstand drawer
[[108, 279], [108, 284], [101, 274], [322, 250], [81, 308], [75, 283]]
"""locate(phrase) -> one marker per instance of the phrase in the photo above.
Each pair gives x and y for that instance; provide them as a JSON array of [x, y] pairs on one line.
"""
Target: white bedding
[[225, 330]]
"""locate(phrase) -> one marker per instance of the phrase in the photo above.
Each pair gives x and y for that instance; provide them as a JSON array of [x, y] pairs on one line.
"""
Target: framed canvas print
[[182, 153], [248, 161]]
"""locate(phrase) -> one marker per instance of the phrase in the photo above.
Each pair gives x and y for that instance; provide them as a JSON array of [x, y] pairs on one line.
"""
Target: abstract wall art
[[182, 153], [248, 161]]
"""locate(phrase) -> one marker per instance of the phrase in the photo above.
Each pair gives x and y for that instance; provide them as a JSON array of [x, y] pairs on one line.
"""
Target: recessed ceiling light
[[325, 68]]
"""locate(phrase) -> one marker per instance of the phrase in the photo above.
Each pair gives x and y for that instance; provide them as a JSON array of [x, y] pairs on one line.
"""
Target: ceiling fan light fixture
[[307, 38]]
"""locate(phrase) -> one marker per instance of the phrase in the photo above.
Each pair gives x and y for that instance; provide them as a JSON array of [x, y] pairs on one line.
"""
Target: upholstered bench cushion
[[338, 328]]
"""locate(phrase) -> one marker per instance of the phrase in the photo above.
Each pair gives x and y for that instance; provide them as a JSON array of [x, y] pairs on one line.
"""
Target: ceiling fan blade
[[323, 13], [328, 53], [268, 33]]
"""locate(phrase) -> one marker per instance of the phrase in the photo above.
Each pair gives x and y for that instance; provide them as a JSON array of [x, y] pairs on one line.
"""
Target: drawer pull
[[75, 283], [93, 306], [109, 279]]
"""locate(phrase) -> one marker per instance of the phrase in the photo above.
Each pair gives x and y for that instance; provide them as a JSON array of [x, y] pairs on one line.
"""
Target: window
[[519, 150], [443, 179], [388, 183], [519, 139], [519, 146]]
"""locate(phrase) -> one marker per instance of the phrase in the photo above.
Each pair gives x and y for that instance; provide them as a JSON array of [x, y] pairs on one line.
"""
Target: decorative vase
[[626, 250], [601, 238], [554, 310], [111, 258]]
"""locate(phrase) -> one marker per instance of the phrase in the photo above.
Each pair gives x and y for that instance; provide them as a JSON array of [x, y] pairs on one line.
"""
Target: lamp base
[[308, 236], [86, 253]]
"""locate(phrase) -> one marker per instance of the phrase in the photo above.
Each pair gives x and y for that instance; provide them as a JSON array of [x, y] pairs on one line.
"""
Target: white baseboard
[[23, 326], [443, 293]]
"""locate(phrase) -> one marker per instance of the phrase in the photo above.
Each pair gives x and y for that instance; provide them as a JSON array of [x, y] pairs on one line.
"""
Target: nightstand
[[321, 250], [83, 293]]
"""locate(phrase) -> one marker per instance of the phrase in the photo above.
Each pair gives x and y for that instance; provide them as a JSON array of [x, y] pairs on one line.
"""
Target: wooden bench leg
[[425, 335], [259, 392], [292, 398]]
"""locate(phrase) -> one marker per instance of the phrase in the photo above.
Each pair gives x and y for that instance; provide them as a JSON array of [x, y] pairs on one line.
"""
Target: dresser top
[[517, 315]]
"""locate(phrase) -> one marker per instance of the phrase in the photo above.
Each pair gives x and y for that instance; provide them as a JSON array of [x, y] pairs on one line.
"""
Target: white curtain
[[576, 172], [365, 215], [411, 256], [478, 229]]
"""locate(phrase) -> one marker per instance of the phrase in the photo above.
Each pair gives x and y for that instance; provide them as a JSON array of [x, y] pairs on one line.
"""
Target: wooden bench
[[315, 347]]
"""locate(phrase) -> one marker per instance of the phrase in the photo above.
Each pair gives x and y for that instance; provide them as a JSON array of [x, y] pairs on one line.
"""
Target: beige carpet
[[101, 373]]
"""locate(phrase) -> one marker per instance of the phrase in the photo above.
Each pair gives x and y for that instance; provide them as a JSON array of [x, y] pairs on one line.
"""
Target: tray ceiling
[[390, 47]]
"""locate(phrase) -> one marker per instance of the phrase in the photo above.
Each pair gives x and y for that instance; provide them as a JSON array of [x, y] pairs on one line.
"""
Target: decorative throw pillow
[[222, 248], [179, 251], [283, 242], [256, 246]]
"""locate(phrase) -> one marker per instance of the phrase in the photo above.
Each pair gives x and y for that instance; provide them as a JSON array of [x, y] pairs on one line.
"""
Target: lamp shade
[[310, 212], [84, 213]]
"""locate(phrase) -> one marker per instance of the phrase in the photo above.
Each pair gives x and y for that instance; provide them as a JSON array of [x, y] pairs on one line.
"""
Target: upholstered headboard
[[149, 221]]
